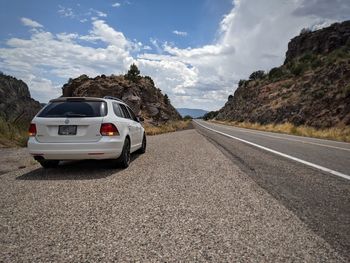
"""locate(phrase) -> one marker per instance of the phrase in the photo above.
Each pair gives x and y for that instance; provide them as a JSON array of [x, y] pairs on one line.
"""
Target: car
[[79, 128]]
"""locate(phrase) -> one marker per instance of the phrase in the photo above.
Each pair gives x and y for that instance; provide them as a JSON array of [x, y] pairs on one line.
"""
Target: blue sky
[[139, 19], [195, 50]]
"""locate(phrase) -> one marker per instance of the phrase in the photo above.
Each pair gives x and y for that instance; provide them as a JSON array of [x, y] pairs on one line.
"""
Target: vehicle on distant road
[[78, 128]]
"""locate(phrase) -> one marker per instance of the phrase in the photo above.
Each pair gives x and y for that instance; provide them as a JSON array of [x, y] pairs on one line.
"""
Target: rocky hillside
[[311, 88], [16, 104], [141, 94], [321, 41]]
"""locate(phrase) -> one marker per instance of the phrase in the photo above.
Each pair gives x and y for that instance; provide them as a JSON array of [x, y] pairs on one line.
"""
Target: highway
[[308, 176], [194, 196]]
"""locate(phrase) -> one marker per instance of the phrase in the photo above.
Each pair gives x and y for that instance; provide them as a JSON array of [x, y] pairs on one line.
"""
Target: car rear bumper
[[106, 148]]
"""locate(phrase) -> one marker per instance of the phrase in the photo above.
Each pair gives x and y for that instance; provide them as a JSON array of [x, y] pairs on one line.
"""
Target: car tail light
[[108, 129], [32, 130]]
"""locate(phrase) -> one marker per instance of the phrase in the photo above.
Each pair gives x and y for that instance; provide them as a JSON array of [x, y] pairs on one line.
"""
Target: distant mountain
[[194, 113]]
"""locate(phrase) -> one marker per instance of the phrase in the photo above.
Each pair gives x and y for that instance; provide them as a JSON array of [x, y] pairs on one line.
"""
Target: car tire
[[124, 159], [142, 150], [49, 163]]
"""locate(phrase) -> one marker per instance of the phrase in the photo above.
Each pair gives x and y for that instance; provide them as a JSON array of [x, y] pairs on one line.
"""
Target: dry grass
[[335, 133], [12, 135], [167, 127]]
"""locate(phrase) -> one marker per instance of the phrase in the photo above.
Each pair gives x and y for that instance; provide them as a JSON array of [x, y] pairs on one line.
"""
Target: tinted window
[[132, 114], [75, 109], [117, 110], [125, 111]]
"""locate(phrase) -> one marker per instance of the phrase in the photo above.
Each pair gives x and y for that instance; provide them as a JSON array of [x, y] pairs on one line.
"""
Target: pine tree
[[133, 73]]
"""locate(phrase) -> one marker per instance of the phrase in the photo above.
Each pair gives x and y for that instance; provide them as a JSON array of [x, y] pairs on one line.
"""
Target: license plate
[[67, 130]]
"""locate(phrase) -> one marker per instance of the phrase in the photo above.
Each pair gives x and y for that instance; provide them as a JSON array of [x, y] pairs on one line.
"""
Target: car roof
[[61, 99]]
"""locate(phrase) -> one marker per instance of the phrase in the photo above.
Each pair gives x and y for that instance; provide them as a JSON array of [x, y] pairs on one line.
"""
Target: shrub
[[305, 31], [316, 63], [287, 85], [346, 91], [276, 73], [13, 134], [298, 69], [187, 118], [150, 80], [210, 115], [260, 74], [242, 82], [166, 99], [338, 54], [307, 57], [318, 94]]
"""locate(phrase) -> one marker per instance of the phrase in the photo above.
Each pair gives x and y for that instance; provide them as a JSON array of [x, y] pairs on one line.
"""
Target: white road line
[[262, 133], [345, 176], [284, 134]]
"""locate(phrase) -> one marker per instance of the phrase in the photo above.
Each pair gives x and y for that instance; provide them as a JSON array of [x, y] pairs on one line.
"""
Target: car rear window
[[132, 114], [125, 111], [117, 110], [74, 109]]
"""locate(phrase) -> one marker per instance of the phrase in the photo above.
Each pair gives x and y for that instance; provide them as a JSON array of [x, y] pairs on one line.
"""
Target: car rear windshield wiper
[[75, 115], [54, 115]]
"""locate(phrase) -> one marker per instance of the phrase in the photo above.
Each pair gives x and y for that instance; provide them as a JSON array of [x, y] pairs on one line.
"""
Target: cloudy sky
[[195, 50]]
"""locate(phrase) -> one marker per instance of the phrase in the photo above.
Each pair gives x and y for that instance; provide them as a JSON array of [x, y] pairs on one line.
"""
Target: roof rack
[[113, 98]]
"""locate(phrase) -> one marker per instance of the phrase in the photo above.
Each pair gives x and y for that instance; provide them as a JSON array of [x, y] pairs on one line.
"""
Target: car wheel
[[124, 159], [49, 163], [144, 144]]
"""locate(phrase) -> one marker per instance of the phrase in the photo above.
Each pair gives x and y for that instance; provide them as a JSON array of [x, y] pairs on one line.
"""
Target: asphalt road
[[326, 153], [182, 201], [320, 199]]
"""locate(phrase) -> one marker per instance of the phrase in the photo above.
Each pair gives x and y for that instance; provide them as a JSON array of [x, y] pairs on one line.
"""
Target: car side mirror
[[140, 119]]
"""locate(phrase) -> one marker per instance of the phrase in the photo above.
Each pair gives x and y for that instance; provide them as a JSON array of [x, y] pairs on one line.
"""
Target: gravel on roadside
[[181, 201], [12, 159]]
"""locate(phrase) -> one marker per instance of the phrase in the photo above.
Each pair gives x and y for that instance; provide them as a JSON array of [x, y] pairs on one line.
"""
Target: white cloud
[[101, 14], [102, 31], [180, 33], [96, 12], [252, 36], [80, 15], [41, 88], [31, 23], [116, 4], [66, 11], [66, 37], [155, 43], [46, 61], [333, 10]]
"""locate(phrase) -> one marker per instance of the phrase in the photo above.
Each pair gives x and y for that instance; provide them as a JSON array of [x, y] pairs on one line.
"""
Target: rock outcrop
[[311, 88], [322, 41], [16, 104], [142, 96]]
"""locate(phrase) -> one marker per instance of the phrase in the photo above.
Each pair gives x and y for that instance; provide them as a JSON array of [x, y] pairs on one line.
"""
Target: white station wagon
[[78, 128]]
